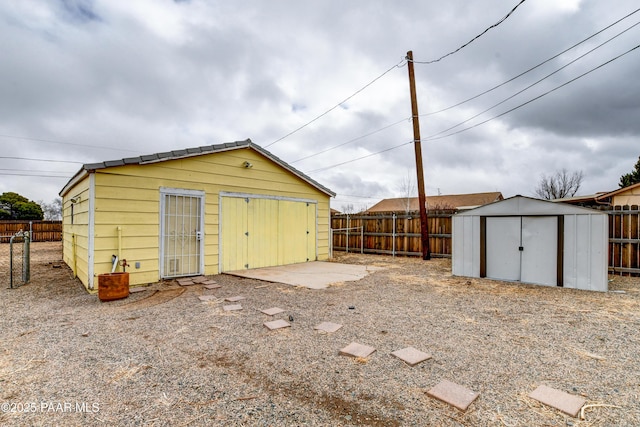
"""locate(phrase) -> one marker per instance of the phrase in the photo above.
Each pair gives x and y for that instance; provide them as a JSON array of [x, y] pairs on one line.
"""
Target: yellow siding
[[129, 197], [75, 231]]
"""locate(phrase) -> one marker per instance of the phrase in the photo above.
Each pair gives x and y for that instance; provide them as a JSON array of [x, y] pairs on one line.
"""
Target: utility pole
[[422, 200]]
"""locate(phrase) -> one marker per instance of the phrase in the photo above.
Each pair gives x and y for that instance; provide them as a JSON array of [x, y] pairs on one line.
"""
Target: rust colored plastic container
[[112, 286]]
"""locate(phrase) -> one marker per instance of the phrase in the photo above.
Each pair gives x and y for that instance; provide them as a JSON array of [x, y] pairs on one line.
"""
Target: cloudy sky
[[84, 81]]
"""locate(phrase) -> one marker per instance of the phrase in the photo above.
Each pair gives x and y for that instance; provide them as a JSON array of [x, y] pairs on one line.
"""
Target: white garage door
[[263, 232], [522, 249]]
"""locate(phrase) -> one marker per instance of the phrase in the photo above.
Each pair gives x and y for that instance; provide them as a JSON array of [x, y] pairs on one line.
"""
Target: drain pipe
[[119, 242]]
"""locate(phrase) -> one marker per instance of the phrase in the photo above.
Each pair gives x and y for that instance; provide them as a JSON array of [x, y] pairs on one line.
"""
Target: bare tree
[[348, 208], [559, 185], [408, 190]]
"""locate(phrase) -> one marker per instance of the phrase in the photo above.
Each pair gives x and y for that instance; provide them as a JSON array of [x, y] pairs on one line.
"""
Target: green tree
[[15, 206], [632, 177]]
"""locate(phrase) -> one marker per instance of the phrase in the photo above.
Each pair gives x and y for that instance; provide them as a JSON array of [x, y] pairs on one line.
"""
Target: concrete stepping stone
[[199, 279], [136, 290], [277, 324], [272, 311], [212, 286], [328, 327], [234, 299], [185, 282], [207, 297], [232, 307], [568, 403], [411, 356], [453, 394], [209, 282], [357, 350]]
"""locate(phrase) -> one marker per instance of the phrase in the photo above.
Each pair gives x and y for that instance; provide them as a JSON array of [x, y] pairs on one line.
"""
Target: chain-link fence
[[15, 263]]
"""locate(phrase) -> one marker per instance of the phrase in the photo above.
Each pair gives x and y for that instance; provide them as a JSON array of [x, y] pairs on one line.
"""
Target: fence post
[[393, 236], [362, 238], [347, 245], [26, 258]]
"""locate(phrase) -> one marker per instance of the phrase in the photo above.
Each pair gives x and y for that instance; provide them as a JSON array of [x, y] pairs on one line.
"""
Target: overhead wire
[[398, 65], [377, 78], [535, 98], [363, 157], [504, 18], [66, 143], [33, 174], [352, 140], [536, 82], [532, 68], [39, 160]]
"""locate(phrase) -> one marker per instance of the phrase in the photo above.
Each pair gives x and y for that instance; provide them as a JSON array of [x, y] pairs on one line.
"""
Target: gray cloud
[[118, 78]]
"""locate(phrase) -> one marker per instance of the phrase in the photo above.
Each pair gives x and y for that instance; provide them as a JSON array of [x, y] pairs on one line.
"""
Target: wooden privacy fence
[[392, 233], [624, 240], [398, 233], [42, 231]]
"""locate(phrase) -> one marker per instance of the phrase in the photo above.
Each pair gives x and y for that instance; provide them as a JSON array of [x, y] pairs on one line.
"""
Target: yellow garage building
[[196, 211]]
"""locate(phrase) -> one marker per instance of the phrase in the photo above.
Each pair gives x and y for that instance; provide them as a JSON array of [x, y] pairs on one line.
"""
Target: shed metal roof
[[191, 152], [521, 205]]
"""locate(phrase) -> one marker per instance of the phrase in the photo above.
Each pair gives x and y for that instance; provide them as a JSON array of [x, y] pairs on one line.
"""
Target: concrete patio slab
[[411, 355], [328, 327], [313, 275], [272, 311], [232, 307], [235, 299], [357, 350], [277, 324], [568, 403], [453, 394]]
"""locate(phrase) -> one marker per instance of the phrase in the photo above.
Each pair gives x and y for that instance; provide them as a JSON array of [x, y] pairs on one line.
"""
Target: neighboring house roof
[[190, 152], [620, 191], [576, 200], [602, 198], [450, 201]]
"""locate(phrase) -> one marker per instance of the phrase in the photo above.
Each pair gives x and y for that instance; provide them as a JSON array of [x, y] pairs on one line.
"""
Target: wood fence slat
[[42, 231]]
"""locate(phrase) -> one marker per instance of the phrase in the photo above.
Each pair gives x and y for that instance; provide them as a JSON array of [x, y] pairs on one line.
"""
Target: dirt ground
[[163, 357]]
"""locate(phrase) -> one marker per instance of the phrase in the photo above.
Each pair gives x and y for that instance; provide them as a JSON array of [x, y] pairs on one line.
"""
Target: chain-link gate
[[19, 259]]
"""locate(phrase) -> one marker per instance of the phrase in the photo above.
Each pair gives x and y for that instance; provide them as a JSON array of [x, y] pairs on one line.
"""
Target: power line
[[473, 39], [352, 140], [35, 175], [30, 170], [363, 157], [39, 160], [65, 143], [337, 105], [535, 83], [530, 69], [536, 98]]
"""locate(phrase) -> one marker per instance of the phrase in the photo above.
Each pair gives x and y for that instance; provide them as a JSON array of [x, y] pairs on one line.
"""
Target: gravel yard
[[164, 358]]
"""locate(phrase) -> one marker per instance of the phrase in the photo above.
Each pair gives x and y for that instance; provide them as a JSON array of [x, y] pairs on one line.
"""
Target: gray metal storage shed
[[533, 241]]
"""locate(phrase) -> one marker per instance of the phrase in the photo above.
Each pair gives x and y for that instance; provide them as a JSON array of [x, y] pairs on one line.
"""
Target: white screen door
[[181, 232]]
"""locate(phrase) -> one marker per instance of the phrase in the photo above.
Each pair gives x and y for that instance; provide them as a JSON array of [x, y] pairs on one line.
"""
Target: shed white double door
[[522, 248], [266, 231]]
